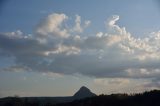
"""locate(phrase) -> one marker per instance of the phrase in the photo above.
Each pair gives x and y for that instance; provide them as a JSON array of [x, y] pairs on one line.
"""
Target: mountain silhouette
[[83, 92], [149, 98]]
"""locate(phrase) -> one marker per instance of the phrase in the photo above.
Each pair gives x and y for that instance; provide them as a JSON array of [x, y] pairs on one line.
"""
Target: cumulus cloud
[[78, 27], [113, 28], [113, 20], [56, 48], [52, 25]]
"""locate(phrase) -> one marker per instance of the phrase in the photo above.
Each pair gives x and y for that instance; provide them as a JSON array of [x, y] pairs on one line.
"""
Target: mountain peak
[[84, 88], [83, 92]]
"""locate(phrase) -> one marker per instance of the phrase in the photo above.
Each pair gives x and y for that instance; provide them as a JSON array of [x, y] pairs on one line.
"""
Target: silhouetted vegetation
[[151, 98]]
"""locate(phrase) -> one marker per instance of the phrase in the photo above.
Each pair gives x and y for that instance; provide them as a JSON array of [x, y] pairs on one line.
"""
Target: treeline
[[17, 101], [151, 98]]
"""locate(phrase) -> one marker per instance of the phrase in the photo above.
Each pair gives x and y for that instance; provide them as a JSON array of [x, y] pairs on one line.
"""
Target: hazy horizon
[[52, 47]]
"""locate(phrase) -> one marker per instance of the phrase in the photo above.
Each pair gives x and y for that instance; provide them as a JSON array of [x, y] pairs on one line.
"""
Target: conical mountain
[[83, 92]]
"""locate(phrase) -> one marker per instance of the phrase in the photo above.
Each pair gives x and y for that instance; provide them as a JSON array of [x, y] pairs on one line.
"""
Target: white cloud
[[52, 25], [113, 28], [87, 23], [99, 34], [79, 26], [60, 49], [113, 20], [68, 50]]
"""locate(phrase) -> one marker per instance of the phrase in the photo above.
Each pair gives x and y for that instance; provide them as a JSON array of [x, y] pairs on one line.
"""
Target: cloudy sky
[[53, 47]]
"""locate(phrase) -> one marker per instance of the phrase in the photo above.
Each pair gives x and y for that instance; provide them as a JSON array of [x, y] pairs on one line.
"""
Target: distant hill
[[151, 98], [83, 92]]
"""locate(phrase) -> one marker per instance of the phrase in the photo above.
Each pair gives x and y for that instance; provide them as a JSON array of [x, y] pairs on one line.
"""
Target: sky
[[53, 47]]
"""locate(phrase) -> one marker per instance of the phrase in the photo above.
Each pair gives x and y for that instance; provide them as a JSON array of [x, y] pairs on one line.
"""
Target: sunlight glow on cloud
[[53, 25], [115, 81]]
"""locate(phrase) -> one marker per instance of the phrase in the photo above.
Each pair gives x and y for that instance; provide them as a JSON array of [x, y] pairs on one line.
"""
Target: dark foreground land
[[151, 98]]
